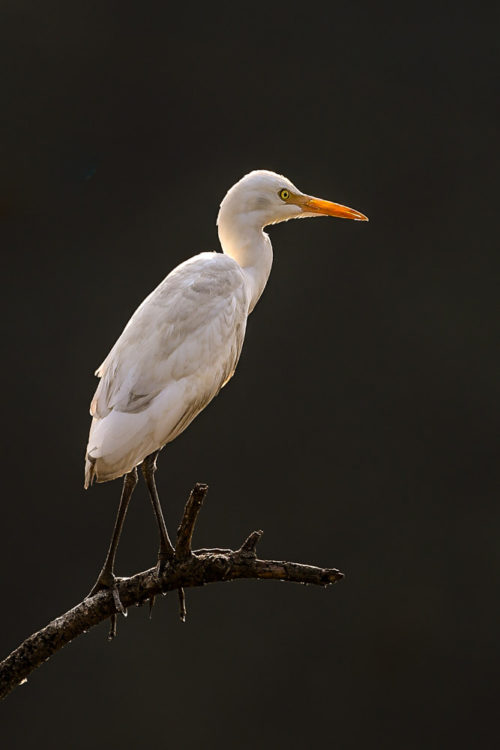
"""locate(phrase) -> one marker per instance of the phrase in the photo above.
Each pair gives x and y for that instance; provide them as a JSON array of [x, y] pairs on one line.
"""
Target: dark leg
[[166, 551], [106, 579]]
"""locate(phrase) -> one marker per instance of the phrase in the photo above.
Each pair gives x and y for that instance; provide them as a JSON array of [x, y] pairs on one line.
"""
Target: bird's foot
[[164, 559], [108, 580]]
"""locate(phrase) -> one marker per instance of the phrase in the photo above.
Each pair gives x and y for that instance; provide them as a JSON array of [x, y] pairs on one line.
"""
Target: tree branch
[[186, 570]]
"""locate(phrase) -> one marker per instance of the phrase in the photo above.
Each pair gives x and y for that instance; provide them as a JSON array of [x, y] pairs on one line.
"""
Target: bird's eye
[[284, 194]]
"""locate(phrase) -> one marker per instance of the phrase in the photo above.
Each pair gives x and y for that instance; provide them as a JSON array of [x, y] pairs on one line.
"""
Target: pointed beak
[[327, 208]]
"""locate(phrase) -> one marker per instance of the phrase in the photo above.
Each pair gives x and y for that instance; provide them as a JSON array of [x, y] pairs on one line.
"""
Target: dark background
[[360, 429]]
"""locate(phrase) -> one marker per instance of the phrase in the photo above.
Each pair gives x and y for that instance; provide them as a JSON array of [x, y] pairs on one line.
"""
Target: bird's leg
[[107, 579], [166, 551]]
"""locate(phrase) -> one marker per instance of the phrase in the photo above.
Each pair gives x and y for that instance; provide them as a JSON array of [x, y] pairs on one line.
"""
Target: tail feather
[[90, 471]]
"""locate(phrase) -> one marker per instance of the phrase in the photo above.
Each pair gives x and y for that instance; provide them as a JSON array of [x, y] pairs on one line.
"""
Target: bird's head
[[264, 197]]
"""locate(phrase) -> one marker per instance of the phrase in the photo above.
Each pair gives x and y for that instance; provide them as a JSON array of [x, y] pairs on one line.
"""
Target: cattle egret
[[182, 344]]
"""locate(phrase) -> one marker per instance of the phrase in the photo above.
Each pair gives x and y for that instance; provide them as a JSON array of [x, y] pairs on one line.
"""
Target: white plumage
[[177, 351], [182, 344]]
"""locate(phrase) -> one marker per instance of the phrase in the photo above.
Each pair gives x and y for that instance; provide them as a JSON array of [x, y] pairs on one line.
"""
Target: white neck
[[250, 247]]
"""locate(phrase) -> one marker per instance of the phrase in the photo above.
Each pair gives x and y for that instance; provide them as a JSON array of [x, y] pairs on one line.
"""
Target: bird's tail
[[90, 471]]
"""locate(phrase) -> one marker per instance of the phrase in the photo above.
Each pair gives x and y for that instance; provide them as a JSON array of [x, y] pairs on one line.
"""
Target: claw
[[118, 604], [152, 600], [112, 628], [182, 604]]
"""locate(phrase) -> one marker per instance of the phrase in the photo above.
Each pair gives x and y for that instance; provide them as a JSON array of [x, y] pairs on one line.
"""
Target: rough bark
[[186, 570]]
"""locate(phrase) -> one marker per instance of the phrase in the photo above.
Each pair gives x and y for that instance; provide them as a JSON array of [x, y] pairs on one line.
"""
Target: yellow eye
[[284, 194]]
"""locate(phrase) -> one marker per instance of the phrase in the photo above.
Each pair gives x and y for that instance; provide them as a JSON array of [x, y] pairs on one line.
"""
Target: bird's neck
[[251, 248]]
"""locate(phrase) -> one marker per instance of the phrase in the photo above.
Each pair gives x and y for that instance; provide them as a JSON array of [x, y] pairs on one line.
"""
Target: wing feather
[[191, 326]]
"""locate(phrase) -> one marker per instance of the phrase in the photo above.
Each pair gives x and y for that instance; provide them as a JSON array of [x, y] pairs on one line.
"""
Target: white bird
[[182, 344]]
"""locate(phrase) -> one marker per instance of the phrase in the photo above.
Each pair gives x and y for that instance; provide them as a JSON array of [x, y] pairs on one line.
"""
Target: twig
[[197, 569], [188, 522], [249, 546]]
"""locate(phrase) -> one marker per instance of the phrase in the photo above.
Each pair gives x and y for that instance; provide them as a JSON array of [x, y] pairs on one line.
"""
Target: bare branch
[[191, 569]]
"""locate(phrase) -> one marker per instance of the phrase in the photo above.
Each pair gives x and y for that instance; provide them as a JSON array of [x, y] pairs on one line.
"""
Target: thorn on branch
[[249, 546], [187, 524]]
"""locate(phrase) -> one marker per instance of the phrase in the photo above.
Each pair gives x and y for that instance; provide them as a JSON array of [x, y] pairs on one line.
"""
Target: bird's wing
[[191, 326]]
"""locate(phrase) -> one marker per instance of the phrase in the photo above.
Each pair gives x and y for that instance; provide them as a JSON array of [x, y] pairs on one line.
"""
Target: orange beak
[[327, 208]]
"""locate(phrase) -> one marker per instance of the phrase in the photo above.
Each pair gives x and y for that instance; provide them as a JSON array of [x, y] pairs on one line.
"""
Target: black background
[[360, 429]]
